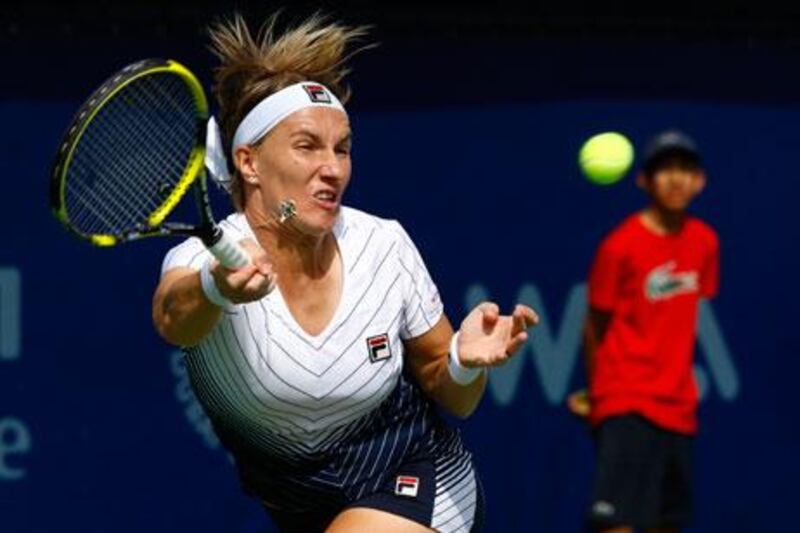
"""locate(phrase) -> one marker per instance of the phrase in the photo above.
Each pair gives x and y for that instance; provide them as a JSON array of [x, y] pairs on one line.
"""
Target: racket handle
[[228, 252]]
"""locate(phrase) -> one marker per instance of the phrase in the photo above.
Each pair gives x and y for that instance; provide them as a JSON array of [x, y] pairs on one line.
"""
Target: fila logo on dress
[[379, 348], [406, 486]]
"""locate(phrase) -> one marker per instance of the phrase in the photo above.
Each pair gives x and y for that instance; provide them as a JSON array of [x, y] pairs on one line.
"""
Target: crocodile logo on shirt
[[663, 282]]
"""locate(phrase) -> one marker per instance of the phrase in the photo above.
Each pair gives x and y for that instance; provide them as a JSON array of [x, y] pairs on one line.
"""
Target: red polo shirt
[[651, 284]]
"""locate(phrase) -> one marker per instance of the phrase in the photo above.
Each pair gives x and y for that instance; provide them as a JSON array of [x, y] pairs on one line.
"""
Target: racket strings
[[107, 134], [152, 171], [131, 155], [115, 199]]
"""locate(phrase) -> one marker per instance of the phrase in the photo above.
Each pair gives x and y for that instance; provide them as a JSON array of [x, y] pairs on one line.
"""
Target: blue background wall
[[471, 144]]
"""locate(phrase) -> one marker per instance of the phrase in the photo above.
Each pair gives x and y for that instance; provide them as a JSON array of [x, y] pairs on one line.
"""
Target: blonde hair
[[254, 67]]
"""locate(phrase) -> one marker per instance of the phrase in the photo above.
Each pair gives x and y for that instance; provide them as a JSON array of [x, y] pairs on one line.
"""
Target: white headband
[[261, 119]]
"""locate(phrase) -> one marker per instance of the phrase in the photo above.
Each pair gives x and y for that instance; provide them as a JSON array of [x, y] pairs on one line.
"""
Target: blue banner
[[99, 430]]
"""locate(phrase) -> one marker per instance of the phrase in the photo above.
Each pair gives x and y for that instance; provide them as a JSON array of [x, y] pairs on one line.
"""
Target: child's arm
[[594, 330], [597, 321]]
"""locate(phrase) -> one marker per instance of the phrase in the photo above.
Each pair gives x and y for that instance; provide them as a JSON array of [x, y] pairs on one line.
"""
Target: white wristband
[[210, 288], [460, 374]]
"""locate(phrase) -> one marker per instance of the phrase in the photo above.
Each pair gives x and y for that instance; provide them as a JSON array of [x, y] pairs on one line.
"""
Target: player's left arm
[[485, 339]]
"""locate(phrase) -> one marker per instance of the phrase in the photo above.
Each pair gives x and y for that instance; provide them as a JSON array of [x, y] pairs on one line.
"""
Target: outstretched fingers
[[496, 337], [522, 318], [491, 314], [525, 316], [516, 342]]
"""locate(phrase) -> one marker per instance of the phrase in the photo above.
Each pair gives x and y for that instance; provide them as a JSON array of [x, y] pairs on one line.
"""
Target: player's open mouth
[[327, 199]]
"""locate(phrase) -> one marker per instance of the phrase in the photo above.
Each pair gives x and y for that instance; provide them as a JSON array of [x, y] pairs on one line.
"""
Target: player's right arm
[[182, 313]]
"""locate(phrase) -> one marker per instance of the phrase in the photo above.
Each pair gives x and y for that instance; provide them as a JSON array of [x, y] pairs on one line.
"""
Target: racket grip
[[228, 252]]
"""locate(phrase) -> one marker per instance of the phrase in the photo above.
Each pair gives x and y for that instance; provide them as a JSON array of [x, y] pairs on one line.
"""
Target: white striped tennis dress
[[327, 419]]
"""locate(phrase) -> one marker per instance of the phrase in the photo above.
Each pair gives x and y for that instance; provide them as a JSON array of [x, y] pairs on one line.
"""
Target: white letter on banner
[[15, 439], [10, 313]]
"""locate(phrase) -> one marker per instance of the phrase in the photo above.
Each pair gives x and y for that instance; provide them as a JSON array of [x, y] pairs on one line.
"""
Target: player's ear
[[245, 160]]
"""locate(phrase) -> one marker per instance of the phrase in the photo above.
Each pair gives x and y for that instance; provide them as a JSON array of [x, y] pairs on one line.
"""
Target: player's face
[[675, 184], [306, 158]]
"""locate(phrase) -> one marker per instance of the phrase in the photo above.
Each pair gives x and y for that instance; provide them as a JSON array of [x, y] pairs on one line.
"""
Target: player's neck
[[662, 221], [311, 256], [290, 249]]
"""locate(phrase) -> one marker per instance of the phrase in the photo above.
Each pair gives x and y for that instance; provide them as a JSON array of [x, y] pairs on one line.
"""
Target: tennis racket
[[131, 153]]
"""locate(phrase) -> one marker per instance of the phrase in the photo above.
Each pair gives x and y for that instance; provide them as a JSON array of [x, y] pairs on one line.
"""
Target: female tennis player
[[320, 364]]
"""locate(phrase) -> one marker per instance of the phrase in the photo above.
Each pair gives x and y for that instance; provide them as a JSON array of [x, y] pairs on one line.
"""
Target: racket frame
[[194, 172]]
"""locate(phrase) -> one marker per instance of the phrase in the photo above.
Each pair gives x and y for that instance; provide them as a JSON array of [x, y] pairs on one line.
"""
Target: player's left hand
[[488, 338]]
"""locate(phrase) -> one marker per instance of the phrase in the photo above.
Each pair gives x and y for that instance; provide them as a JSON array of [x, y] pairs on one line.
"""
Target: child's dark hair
[[680, 158], [671, 147]]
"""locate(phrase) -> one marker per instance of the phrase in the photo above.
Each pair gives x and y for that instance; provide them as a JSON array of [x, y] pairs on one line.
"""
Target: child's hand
[[578, 403]]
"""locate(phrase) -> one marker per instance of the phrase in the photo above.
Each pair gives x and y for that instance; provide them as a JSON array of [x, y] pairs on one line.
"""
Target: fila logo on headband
[[317, 94]]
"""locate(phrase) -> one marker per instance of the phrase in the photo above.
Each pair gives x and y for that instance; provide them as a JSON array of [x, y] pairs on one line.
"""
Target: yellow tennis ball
[[606, 157]]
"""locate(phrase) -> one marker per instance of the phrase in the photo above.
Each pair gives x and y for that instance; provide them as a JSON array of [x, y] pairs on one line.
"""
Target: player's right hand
[[250, 283]]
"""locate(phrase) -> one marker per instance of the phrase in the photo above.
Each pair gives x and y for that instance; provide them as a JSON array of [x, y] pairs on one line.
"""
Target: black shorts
[[415, 478], [643, 475]]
